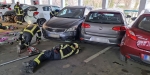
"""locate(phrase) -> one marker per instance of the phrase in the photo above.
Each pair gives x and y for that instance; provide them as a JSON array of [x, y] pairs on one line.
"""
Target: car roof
[[106, 10], [75, 7], [45, 5]]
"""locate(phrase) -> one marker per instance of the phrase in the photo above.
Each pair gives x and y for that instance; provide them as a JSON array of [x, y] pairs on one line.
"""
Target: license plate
[[98, 39], [54, 35], [146, 57]]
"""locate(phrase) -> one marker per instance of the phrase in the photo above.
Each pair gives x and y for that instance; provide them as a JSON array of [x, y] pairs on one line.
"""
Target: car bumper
[[93, 38], [30, 19], [131, 51], [59, 35]]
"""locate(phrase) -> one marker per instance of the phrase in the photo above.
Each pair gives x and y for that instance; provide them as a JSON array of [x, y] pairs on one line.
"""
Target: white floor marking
[[97, 54]]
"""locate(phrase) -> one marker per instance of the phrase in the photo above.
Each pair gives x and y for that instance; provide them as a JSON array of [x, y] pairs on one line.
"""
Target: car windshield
[[105, 18], [25, 6], [144, 23], [71, 13]]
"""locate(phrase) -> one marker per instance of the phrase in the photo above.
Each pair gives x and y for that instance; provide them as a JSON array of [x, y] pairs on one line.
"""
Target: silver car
[[104, 26]]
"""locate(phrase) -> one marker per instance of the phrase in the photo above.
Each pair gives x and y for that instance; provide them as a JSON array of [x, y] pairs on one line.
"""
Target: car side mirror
[[128, 16], [133, 18]]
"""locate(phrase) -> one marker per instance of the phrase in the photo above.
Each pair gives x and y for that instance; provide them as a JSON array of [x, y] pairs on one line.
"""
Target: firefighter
[[54, 13], [26, 35], [56, 53], [19, 13], [5, 27]]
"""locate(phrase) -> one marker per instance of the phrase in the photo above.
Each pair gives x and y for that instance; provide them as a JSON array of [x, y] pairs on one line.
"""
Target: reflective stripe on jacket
[[68, 50], [33, 29], [18, 10]]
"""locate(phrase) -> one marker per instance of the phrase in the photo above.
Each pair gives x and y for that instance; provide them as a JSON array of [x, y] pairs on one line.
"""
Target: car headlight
[[71, 29]]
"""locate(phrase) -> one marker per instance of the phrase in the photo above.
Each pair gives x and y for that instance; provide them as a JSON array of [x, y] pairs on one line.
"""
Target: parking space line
[[97, 54]]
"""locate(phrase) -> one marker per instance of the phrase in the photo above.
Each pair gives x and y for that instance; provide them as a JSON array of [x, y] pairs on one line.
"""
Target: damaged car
[[66, 24]]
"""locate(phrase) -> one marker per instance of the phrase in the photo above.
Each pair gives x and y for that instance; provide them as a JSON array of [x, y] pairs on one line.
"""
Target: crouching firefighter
[[26, 35], [56, 53]]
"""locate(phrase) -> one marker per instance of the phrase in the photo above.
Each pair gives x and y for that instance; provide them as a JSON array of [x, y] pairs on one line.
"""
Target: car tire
[[41, 21], [122, 57], [15, 19]]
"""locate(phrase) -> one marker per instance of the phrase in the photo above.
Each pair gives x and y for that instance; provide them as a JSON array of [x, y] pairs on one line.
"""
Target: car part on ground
[[66, 24], [135, 44]]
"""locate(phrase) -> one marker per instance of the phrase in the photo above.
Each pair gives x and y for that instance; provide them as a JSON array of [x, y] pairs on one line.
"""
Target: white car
[[7, 8], [39, 14]]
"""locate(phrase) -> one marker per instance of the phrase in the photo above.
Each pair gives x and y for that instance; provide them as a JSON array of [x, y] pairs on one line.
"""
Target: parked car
[[39, 13], [104, 26], [66, 24], [10, 16], [136, 42], [2, 9]]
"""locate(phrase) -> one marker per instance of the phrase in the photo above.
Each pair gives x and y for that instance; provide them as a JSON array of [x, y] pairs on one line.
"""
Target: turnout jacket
[[32, 29], [18, 10], [66, 50]]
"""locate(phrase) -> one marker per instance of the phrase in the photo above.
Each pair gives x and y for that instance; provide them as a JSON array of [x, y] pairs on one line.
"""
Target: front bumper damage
[[63, 35]]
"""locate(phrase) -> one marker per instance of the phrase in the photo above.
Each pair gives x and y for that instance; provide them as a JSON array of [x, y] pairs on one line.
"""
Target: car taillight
[[9, 8], [35, 13], [119, 28], [131, 34], [85, 25]]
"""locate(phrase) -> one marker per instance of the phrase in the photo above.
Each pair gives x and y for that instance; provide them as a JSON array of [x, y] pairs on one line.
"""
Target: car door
[[103, 24], [46, 12]]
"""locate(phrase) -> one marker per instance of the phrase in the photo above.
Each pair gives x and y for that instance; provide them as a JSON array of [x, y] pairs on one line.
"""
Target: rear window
[[32, 8], [105, 18], [46, 8], [144, 23]]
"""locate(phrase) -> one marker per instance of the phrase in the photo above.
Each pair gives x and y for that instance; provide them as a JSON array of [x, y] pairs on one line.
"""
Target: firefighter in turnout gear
[[56, 53], [26, 35], [5, 27], [19, 13]]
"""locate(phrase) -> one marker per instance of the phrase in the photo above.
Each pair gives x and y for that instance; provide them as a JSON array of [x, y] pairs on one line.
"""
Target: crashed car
[[66, 24], [10, 16]]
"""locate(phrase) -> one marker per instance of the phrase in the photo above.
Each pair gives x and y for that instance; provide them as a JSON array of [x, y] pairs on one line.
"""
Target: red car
[[136, 42]]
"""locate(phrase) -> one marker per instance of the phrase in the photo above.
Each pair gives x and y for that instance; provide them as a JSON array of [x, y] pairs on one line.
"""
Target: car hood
[[57, 22]]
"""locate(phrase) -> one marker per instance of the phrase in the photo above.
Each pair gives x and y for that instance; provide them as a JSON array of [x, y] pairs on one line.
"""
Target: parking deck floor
[[106, 63]]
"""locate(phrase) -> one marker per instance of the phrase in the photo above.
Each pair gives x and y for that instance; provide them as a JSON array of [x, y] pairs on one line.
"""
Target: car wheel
[[122, 57], [41, 22], [15, 19]]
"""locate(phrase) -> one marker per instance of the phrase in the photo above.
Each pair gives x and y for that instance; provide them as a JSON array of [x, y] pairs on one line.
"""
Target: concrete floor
[[107, 63]]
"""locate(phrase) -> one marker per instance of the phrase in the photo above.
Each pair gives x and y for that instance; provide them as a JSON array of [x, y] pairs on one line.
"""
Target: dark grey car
[[66, 25], [104, 26]]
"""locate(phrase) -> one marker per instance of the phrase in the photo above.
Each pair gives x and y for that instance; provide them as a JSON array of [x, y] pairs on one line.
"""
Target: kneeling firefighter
[[26, 35], [56, 53]]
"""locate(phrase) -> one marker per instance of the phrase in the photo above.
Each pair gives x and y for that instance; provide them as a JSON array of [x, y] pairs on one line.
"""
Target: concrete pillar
[[80, 2], [142, 5], [50, 2], [13, 1], [63, 3], [104, 4]]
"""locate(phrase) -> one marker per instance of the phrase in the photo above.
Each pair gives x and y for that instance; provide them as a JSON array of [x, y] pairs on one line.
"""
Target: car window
[[33, 8], [71, 13], [55, 7], [144, 23], [46, 8], [105, 18]]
